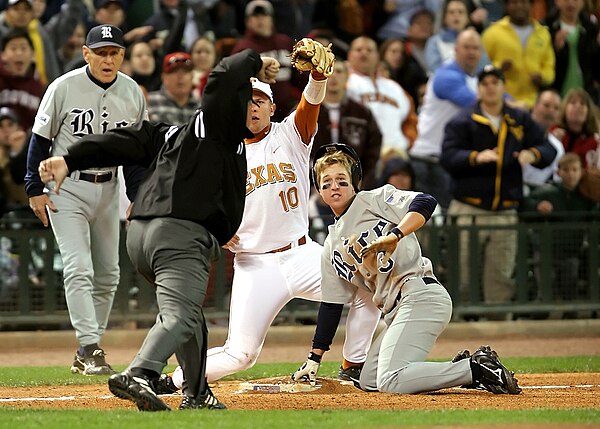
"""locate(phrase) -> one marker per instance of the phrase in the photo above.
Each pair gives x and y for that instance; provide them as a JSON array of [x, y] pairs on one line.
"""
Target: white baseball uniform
[[266, 277], [86, 225]]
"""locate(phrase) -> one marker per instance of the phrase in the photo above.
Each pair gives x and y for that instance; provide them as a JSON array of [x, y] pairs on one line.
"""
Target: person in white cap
[[85, 216], [275, 259]]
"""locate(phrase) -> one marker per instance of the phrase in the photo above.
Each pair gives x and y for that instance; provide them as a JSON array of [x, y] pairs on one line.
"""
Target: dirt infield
[[556, 391], [559, 391]]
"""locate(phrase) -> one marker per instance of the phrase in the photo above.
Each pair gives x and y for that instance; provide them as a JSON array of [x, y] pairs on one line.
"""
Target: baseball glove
[[308, 54]]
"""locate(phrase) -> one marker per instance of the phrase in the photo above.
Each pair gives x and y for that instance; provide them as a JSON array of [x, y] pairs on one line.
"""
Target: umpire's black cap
[[104, 35]]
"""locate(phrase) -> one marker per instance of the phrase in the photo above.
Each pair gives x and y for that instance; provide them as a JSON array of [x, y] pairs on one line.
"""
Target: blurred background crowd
[[404, 69]]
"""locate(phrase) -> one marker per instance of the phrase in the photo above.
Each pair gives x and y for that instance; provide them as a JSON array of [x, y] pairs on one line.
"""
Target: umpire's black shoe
[[490, 374], [136, 389], [208, 401], [164, 385], [351, 374]]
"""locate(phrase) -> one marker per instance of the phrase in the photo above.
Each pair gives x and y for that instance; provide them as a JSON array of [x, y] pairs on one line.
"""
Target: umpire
[[190, 202]]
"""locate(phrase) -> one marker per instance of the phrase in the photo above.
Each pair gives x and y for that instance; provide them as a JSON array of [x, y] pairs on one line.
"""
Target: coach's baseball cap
[[14, 2], [104, 35], [7, 112], [490, 70], [177, 60], [259, 7], [265, 88]]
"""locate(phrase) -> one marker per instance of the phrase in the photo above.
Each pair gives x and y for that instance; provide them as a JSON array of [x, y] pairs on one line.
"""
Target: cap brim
[[103, 44], [263, 92]]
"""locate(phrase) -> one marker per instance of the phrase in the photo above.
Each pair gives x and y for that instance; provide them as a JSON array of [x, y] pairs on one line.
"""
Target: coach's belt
[[96, 178], [426, 280], [300, 242]]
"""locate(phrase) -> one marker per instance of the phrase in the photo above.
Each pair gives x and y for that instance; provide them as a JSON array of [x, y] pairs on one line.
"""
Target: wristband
[[315, 357], [397, 232], [314, 91]]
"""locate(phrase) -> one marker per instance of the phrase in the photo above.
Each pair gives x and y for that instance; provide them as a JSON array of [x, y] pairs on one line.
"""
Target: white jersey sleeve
[[277, 190], [371, 215]]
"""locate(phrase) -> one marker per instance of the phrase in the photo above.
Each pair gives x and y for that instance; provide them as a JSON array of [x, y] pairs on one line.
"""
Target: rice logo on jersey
[[271, 173], [82, 122], [345, 267]]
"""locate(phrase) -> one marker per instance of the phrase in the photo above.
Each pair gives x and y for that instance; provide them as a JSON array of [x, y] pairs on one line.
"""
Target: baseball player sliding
[[275, 259], [372, 248]]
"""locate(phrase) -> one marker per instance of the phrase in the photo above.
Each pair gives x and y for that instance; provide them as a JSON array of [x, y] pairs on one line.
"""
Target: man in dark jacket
[[483, 150], [189, 204]]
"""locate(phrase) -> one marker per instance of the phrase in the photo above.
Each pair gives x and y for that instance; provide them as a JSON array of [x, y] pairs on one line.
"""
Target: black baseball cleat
[[351, 374], [136, 389], [208, 401], [491, 374], [164, 385]]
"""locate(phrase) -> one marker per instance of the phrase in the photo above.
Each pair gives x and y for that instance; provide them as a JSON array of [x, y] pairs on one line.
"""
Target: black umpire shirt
[[196, 172]]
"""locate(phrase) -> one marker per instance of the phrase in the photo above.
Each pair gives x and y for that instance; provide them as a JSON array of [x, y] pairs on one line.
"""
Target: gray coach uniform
[[416, 307], [86, 225]]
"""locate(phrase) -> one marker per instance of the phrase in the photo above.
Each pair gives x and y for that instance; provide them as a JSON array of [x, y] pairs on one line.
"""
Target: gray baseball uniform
[[86, 225], [416, 307]]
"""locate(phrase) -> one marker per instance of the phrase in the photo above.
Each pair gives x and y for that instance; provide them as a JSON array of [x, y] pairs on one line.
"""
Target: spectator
[[404, 69], [400, 13], [562, 202], [450, 89], [19, 89], [545, 113], [576, 46], [342, 17], [440, 47], [262, 37], [419, 31], [577, 126], [69, 54], [213, 19], [483, 150], [142, 62], [110, 12], [522, 48], [389, 103], [45, 38], [204, 58], [345, 121], [173, 104], [398, 172], [13, 159]]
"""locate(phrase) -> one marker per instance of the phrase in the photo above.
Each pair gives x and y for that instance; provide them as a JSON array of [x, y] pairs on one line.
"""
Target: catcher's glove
[[309, 54]]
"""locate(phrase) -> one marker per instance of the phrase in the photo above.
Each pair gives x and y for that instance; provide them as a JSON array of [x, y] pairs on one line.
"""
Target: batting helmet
[[356, 169]]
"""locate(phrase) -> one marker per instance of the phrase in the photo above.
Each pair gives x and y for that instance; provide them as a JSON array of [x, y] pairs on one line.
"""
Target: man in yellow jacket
[[522, 48]]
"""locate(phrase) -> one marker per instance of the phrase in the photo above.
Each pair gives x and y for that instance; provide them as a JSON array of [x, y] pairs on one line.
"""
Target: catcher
[[372, 247]]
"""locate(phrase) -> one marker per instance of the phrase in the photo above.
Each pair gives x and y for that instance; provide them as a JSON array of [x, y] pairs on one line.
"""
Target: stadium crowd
[[406, 68]]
